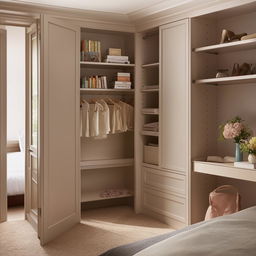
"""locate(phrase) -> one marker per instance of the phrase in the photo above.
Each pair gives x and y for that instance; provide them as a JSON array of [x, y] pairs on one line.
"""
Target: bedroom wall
[[15, 81]]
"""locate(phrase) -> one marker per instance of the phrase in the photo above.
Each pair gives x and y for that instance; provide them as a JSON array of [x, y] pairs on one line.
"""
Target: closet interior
[[149, 90], [107, 161], [216, 100]]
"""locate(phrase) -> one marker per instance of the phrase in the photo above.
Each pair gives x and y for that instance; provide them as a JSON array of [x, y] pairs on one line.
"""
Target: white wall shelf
[[150, 133], [150, 65], [112, 163], [228, 80], [228, 47], [96, 196], [105, 91], [225, 170], [105, 64]]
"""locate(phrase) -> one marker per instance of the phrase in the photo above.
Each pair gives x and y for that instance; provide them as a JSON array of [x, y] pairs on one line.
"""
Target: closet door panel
[[174, 99], [164, 181], [165, 204], [60, 175]]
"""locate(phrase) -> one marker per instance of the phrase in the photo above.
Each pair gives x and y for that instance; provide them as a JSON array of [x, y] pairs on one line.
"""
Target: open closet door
[[32, 126], [60, 145], [3, 178]]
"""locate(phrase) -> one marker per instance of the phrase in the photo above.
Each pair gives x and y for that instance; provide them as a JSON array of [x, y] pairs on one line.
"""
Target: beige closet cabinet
[[168, 195], [174, 95]]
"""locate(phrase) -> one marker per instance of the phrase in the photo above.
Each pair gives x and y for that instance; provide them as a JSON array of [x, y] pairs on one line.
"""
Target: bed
[[15, 178], [228, 235]]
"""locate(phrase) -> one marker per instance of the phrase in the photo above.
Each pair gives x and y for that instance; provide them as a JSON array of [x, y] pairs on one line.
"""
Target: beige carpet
[[100, 230]]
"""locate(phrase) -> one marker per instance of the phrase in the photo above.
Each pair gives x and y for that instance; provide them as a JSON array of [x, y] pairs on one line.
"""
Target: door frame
[[9, 19], [3, 127]]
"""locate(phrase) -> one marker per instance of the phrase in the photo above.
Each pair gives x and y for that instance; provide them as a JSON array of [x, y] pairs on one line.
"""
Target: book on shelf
[[94, 82], [90, 50], [122, 85], [245, 165], [117, 59], [123, 77], [114, 51]]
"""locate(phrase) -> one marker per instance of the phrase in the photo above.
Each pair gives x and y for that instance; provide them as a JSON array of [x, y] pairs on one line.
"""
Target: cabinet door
[[59, 134], [174, 96]]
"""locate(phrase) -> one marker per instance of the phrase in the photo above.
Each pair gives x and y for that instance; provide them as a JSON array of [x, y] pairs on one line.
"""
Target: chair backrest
[[223, 200]]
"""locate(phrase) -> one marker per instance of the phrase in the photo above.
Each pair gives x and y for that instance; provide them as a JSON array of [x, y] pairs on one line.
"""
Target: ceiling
[[114, 6]]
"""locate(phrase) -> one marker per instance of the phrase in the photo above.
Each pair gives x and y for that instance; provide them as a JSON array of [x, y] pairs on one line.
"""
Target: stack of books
[[90, 50], [123, 81], [96, 82], [117, 59]]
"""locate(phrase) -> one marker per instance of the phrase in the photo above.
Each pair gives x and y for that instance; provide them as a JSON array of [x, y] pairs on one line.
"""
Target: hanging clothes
[[105, 116], [104, 119], [84, 118], [94, 119]]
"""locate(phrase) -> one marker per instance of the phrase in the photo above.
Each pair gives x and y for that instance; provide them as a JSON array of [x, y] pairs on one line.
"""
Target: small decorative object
[[253, 68], [222, 73], [229, 36], [250, 147], [235, 70], [241, 70], [236, 130]]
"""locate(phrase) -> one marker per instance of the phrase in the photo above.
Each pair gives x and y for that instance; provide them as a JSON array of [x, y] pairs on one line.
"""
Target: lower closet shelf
[[97, 196], [107, 163]]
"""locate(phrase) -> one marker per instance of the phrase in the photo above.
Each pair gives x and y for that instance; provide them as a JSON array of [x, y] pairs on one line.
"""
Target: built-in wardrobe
[[158, 166], [146, 163], [107, 162], [190, 104]]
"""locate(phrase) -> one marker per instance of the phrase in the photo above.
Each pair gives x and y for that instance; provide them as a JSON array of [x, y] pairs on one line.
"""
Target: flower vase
[[239, 153], [252, 158]]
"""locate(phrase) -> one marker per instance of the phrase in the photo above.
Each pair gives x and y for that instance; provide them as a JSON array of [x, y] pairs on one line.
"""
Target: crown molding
[[92, 18], [143, 19], [156, 8], [187, 10]]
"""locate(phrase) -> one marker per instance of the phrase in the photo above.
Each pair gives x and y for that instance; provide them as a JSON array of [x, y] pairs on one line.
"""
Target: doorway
[[19, 123], [15, 83]]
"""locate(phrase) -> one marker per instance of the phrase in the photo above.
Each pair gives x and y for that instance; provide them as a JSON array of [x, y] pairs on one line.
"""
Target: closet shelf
[[150, 90], [150, 65], [105, 91], [112, 163], [225, 170], [150, 133], [150, 111], [95, 196], [228, 47], [105, 64], [228, 80]]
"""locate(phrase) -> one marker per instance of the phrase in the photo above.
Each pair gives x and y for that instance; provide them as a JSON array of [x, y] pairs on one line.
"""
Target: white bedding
[[15, 173]]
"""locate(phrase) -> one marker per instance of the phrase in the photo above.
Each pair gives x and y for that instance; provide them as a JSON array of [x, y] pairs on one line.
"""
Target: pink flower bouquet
[[235, 129]]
